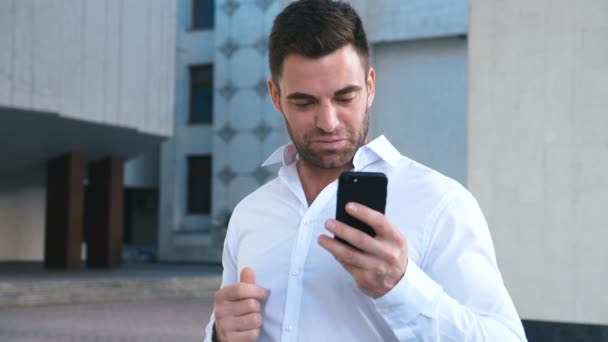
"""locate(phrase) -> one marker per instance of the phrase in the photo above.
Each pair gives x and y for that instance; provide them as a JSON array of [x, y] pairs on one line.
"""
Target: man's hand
[[238, 310], [380, 261]]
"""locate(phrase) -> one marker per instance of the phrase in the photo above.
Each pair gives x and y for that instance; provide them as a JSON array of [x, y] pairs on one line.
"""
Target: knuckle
[[357, 239], [253, 305], [378, 269], [257, 320], [220, 311], [362, 238], [240, 292], [219, 296], [391, 258], [400, 240], [382, 225], [370, 278], [349, 255]]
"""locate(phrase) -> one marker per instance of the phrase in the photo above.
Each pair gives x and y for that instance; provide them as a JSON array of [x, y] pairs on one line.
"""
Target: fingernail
[[330, 224], [351, 206]]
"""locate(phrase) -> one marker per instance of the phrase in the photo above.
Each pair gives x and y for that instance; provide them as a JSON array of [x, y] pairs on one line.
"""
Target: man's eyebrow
[[304, 96], [347, 90], [300, 96]]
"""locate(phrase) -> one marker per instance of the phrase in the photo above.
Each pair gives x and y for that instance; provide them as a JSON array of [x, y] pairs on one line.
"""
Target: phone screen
[[367, 188]]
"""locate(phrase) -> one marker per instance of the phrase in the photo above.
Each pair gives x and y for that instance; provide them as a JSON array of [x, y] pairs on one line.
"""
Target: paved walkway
[[158, 321], [152, 319]]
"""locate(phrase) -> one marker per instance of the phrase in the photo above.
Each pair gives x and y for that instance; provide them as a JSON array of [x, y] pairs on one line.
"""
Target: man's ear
[[275, 95], [371, 86]]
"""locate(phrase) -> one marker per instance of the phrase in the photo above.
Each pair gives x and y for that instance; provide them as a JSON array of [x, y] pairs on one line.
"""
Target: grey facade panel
[[103, 61]]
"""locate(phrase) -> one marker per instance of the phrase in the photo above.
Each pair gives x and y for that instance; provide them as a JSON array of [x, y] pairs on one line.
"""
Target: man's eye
[[345, 100], [303, 105]]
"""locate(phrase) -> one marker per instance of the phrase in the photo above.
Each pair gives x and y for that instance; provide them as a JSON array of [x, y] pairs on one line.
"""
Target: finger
[[242, 323], [249, 335], [356, 237], [375, 219], [238, 308], [348, 255], [247, 276], [240, 291]]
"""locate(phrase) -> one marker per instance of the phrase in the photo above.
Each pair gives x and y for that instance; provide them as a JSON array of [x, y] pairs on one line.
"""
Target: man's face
[[324, 102]]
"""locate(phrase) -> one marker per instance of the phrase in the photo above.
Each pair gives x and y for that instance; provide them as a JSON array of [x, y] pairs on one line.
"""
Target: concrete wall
[[538, 150], [420, 104], [396, 20], [95, 76], [22, 210], [105, 61], [143, 170]]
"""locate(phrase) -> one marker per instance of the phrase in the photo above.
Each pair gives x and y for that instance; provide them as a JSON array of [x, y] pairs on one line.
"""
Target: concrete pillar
[[64, 211], [105, 230]]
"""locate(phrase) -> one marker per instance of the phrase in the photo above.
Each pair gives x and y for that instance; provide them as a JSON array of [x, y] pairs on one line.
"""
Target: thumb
[[247, 276]]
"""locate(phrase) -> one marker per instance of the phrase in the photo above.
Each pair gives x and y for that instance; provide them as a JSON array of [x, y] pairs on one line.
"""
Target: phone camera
[[355, 180]]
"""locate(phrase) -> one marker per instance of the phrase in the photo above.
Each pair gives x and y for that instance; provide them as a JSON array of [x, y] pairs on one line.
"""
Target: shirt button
[[295, 273], [288, 327]]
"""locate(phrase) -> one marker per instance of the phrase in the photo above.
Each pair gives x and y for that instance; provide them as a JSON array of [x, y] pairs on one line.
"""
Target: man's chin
[[332, 162]]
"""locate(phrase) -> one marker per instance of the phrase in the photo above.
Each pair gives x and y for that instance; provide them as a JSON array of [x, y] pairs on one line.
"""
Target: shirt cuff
[[413, 295]]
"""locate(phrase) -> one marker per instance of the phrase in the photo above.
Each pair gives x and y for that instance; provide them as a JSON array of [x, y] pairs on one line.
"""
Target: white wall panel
[[112, 68], [538, 161], [22, 54], [7, 27], [93, 75], [70, 49], [105, 61]]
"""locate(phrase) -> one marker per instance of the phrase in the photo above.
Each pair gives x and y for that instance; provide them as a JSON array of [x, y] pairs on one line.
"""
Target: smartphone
[[367, 188]]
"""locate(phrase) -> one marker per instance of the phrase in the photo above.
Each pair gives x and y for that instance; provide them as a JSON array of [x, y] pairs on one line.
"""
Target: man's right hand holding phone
[[238, 310], [375, 263]]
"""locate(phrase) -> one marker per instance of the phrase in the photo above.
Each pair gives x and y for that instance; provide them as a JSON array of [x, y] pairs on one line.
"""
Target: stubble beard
[[330, 159]]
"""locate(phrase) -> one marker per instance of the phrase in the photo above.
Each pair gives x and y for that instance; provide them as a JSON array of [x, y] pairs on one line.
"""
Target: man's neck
[[315, 179]]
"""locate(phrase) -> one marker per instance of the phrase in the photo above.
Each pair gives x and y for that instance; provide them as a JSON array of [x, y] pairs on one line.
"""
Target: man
[[430, 272]]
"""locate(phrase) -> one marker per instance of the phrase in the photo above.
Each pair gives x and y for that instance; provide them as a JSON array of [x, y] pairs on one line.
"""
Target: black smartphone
[[367, 188]]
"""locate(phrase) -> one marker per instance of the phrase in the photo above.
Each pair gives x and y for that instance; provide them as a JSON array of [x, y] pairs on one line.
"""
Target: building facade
[[214, 159], [84, 86]]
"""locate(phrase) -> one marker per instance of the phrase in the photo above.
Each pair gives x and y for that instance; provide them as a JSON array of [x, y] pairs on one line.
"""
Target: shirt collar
[[379, 148]]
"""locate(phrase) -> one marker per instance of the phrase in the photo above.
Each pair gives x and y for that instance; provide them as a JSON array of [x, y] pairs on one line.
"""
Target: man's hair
[[315, 28]]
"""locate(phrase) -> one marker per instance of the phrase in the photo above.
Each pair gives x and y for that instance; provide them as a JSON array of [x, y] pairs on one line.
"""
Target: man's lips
[[328, 140], [329, 143]]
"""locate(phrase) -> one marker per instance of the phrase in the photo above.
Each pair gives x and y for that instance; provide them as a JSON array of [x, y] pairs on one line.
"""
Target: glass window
[[199, 184], [201, 94], [202, 14]]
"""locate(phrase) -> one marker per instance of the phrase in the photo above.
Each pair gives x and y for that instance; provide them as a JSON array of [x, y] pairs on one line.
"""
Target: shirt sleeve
[[457, 292], [229, 275]]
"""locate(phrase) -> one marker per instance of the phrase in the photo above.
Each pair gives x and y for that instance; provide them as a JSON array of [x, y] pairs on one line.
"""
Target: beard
[[333, 158]]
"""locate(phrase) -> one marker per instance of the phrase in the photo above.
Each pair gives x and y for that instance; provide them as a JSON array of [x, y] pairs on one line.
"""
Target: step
[[70, 292], [31, 285]]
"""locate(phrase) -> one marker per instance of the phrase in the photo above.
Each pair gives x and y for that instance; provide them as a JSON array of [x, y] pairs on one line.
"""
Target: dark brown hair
[[315, 28]]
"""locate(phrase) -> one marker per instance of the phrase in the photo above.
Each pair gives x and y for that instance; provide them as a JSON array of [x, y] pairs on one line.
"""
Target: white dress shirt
[[452, 289]]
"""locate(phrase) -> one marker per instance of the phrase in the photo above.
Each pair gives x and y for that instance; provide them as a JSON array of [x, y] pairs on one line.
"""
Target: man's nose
[[327, 118]]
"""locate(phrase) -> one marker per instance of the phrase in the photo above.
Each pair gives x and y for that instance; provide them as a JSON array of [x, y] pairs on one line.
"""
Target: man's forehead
[[345, 52], [340, 69]]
